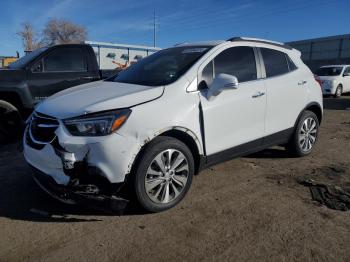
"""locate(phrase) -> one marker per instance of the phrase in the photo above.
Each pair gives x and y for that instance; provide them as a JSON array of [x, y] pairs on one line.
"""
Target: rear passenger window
[[275, 62], [238, 62]]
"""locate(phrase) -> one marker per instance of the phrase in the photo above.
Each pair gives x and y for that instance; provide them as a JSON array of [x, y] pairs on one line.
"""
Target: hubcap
[[166, 176], [308, 134]]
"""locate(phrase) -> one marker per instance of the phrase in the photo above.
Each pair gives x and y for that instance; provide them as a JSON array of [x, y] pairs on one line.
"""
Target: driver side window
[[235, 61], [347, 70]]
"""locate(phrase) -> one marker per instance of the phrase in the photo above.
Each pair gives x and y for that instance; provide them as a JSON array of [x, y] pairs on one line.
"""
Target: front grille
[[42, 128]]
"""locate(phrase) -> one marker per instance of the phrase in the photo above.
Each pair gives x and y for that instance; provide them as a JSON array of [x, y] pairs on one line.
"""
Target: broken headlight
[[99, 124]]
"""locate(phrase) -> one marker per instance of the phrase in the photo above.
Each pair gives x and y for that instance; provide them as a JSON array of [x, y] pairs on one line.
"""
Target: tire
[[339, 91], [165, 189], [305, 135], [11, 123]]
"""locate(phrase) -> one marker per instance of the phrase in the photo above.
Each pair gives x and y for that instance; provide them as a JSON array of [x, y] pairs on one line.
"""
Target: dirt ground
[[247, 209]]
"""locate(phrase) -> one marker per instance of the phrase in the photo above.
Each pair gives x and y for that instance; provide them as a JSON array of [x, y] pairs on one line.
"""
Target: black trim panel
[[250, 147]]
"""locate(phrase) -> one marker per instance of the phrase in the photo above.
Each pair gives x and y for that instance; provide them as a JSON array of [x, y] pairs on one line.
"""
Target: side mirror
[[346, 74], [222, 82]]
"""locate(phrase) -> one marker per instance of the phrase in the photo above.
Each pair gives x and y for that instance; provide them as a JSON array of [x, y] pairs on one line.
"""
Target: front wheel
[[11, 123], [305, 135], [164, 174], [338, 92]]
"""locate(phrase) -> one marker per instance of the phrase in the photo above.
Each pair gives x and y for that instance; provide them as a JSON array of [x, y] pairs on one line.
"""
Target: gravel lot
[[247, 209]]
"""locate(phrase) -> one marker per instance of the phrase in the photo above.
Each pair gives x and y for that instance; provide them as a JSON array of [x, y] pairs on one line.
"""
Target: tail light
[[318, 80]]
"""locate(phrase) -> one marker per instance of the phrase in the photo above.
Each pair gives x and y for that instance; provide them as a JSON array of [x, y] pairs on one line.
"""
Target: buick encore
[[151, 128]]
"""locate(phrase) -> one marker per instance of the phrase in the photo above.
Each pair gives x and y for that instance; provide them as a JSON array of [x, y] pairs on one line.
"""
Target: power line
[[250, 16]]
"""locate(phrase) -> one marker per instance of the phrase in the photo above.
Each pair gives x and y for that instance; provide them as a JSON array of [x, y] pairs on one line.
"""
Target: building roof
[[320, 39], [112, 45]]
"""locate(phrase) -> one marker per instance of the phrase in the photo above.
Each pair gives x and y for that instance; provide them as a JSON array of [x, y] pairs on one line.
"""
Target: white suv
[[334, 79], [162, 120]]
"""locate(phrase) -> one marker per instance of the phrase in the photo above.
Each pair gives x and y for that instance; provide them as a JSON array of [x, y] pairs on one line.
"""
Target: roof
[[112, 45], [202, 43], [237, 39], [261, 41]]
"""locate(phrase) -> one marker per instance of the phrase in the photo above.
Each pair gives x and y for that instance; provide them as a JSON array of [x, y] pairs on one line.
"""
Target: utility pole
[[154, 28]]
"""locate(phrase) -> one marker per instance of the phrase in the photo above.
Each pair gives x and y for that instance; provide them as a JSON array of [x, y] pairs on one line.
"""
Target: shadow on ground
[[342, 103], [22, 199], [273, 153]]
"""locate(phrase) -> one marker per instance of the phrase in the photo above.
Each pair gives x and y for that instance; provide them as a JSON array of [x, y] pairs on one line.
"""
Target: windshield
[[329, 71], [20, 63], [163, 67]]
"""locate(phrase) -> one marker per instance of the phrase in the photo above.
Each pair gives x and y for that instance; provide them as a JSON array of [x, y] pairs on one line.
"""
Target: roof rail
[[258, 40]]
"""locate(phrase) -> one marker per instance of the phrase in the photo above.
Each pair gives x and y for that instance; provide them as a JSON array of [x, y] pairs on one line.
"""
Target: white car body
[[330, 83], [257, 114]]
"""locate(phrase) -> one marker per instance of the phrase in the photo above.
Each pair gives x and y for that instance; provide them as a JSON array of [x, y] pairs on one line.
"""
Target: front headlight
[[99, 124], [334, 82]]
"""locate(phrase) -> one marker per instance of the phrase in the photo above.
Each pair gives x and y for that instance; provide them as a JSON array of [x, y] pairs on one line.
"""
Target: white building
[[111, 56]]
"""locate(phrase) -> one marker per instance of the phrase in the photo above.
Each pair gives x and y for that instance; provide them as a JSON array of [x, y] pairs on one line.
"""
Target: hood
[[12, 75], [96, 97]]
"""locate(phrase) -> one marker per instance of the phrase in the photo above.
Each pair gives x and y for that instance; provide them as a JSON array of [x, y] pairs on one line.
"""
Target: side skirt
[[278, 138]]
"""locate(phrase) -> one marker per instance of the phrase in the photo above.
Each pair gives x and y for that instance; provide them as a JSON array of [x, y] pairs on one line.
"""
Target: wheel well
[[189, 141], [13, 99], [316, 109]]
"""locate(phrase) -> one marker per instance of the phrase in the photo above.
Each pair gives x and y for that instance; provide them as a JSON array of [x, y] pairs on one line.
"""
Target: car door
[[60, 69], [235, 116], [346, 80], [286, 88]]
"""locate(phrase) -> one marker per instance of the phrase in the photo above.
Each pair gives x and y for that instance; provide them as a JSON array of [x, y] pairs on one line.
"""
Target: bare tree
[[60, 31], [29, 37]]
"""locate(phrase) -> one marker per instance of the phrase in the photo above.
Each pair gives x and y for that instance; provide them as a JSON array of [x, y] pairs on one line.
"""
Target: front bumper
[[111, 155], [78, 169], [74, 194], [328, 88]]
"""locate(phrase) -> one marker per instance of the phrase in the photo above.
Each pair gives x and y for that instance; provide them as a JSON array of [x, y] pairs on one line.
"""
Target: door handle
[[86, 78], [301, 83], [259, 94]]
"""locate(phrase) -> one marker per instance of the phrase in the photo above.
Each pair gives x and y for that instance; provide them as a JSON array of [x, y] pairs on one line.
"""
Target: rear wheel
[[11, 123], [305, 135], [339, 91], [164, 174]]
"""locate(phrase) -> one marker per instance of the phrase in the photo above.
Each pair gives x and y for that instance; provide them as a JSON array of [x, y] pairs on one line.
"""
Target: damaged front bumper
[[71, 168], [78, 194]]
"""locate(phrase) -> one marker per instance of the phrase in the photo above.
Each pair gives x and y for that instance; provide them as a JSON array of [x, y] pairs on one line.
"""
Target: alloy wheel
[[166, 176], [338, 91], [308, 134]]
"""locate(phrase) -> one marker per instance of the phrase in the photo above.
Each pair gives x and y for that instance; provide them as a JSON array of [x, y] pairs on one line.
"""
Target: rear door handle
[[301, 83], [259, 94]]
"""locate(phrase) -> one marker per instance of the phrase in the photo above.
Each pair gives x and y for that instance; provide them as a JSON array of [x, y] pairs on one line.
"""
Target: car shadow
[[342, 103], [273, 153], [22, 199]]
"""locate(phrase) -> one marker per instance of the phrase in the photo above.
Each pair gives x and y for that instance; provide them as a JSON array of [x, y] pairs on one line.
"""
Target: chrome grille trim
[[37, 116]]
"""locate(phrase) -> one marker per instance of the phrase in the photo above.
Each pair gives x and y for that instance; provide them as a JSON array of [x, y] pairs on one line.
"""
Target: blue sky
[[131, 22]]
